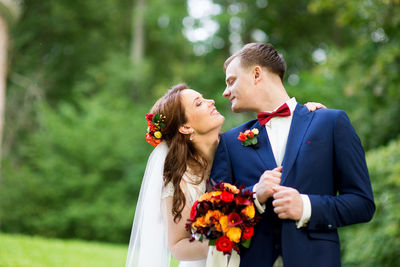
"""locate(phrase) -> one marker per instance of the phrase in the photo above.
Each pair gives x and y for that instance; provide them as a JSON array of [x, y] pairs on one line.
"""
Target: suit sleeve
[[354, 202], [222, 167]]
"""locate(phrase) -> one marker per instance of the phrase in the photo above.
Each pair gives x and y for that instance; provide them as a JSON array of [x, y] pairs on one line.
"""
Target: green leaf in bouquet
[[211, 242], [246, 243]]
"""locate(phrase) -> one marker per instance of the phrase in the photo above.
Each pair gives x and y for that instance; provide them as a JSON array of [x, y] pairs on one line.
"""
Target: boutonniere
[[249, 137]]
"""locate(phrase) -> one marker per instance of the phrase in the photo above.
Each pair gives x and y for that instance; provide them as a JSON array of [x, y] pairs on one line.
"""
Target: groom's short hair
[[264, 55]]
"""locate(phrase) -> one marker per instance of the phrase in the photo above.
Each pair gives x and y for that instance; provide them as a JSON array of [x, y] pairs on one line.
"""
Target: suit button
[[330, 226]]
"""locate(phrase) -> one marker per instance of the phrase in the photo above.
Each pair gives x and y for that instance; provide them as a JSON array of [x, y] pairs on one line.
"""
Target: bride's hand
[[313, 106]]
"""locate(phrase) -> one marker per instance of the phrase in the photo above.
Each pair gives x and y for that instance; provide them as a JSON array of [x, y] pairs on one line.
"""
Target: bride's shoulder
[[168, 190]]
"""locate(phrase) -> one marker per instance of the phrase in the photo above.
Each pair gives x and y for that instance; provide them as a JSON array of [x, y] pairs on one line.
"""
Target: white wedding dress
[[148, 243]]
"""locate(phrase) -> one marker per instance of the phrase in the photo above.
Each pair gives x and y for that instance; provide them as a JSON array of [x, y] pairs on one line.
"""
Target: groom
[[308, 170]]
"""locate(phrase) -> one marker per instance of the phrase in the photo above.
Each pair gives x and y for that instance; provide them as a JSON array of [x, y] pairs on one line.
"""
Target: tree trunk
[[3, 74], [137, 46]]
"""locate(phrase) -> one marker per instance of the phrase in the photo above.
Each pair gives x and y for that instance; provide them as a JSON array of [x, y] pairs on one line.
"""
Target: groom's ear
[[186, 129], [257, 71]]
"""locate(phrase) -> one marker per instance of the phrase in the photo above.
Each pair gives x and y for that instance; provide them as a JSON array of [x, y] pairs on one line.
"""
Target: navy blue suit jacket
[[324, 159]]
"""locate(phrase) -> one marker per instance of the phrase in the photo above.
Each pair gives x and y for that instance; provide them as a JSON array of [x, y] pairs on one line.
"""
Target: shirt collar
[[292, 103]]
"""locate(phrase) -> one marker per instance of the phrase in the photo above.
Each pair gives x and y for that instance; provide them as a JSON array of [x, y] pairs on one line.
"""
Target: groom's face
[[239, 86]]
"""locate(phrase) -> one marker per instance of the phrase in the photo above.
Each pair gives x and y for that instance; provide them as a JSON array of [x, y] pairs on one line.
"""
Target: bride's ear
[[185, 129]]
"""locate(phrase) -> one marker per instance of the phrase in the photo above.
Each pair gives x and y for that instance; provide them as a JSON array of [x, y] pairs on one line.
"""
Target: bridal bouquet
[[225, 216]]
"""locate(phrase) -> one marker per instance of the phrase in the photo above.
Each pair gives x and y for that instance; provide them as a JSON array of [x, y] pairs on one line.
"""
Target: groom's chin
[[236, 109]]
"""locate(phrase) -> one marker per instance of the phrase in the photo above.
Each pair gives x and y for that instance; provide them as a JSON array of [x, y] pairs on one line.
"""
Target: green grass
[[31, 251], [21, 251]]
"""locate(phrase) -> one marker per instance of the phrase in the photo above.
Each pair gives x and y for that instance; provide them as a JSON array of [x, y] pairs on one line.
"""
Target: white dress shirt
[[278, 131]]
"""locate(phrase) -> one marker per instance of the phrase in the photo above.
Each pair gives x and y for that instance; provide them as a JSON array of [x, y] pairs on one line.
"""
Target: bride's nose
[[211, 102]]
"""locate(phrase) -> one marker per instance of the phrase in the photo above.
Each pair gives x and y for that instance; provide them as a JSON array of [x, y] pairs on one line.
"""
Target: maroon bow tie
[[282, 111]]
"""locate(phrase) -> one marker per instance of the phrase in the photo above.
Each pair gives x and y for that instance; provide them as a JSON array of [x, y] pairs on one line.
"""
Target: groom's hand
[[287, 203], [268, 180]]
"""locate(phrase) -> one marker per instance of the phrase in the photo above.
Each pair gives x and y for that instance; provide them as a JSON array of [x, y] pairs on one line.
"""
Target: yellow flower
[[158, 134], [255, 131], [223, 221], [249, 211], [234, 234]]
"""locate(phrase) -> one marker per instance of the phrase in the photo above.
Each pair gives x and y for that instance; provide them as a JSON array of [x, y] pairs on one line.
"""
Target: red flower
[[193, 211], [226, 196], [152, 141], [239, 200], [242, 137], [250, 134], [224, 244], [247, 233], [234, 219], [149, 117]]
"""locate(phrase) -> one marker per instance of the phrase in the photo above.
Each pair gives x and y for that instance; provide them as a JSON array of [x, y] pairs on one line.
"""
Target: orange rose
[[216, 214], [209, 196], [200, 222], [231, 188]]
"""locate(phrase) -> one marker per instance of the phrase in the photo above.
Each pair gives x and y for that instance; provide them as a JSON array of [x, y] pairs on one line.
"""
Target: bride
[[175, 177]]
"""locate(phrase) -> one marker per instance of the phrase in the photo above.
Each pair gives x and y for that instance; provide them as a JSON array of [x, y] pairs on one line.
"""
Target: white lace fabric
[[190, 188]]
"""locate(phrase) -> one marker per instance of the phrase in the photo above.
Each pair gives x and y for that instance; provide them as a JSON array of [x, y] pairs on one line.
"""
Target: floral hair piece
[[155, 123]]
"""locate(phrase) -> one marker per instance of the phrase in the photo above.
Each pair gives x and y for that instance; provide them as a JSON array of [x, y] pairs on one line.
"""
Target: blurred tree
[[137, 46], [377, 243], [9, 11], [363, 71]]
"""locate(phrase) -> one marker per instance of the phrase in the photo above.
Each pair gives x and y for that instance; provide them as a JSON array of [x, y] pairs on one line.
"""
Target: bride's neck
[[207, 145]]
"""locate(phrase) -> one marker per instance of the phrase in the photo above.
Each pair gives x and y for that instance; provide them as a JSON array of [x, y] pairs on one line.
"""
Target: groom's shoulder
[[332, 114], [234, 132]]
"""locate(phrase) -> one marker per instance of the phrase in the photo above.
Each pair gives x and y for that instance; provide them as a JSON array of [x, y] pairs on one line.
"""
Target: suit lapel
[[300, 123], [264, 149]]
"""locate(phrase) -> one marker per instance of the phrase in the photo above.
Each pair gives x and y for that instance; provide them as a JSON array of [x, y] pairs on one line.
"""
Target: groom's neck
[[271, 97]]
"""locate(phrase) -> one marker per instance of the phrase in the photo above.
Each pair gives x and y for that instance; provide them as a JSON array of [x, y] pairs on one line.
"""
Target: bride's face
[[201, 113]]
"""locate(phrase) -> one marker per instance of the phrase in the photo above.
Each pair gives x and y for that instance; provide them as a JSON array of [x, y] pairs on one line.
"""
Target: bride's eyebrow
[[197, 97]]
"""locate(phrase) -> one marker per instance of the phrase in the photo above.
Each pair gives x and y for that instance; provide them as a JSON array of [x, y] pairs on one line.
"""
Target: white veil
[[148, 243]]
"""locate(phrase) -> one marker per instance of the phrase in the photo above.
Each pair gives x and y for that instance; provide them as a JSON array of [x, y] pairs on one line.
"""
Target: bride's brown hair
[[182, 153]]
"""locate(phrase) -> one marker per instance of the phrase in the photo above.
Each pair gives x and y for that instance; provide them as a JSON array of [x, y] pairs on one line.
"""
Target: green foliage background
[[74, 150]]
